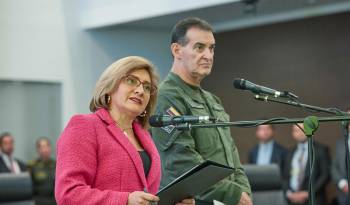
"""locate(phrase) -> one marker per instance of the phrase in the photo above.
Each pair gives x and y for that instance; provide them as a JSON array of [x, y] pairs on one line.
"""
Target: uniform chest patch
[[172, 112]]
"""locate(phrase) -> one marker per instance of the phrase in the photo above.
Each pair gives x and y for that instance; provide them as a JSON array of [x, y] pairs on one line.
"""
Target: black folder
[[193, 182]]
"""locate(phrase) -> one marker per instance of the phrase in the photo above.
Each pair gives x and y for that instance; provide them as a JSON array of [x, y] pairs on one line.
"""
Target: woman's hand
[[141, 198], [190, 201]]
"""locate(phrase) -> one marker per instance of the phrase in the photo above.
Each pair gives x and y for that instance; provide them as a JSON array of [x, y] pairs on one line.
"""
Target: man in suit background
[[339, 174], [8, 164], [296, 175], [268, 151]]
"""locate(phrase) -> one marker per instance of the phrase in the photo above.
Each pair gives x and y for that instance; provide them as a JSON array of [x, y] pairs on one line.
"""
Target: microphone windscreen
[[156, 121], [239, 83]]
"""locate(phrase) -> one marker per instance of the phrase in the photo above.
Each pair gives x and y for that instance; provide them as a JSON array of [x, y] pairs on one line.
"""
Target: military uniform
[[181, 150], [43, 177]]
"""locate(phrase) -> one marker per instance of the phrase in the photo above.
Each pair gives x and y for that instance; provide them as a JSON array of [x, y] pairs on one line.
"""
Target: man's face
[[298, 134], [7, 145], [197, 56], [264, 133], [44, 149]]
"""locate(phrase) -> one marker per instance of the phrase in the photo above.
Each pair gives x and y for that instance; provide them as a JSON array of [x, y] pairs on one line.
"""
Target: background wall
[[30, 110], [42, 42], [35, 86]]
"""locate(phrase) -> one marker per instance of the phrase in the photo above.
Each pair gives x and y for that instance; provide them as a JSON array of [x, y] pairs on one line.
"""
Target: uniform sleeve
[[178, 154], [76, 167], [240, 179]]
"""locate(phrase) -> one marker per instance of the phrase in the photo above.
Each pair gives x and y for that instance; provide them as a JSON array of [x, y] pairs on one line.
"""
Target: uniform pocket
[[220, 113], [196, 105]]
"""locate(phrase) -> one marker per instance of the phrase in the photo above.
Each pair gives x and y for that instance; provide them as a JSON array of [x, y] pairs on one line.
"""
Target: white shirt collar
[[270, 143], [302, 145]]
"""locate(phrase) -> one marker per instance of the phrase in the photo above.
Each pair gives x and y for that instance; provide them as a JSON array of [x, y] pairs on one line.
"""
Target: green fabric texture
[[182, 150]]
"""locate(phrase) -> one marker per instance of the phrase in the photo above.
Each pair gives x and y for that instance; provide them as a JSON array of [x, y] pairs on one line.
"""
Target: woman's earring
[[143, 114], [108, 99]]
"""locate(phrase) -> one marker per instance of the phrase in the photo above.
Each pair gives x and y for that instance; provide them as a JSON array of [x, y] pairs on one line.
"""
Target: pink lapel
[[148, 145], [123, 140]]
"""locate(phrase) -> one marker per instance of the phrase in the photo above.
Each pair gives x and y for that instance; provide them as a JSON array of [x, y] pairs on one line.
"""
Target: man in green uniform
[[42, 171], [192, 47]]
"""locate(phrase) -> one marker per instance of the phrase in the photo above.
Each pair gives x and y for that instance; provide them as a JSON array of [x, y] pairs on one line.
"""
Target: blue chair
[[266, 184], [16, 189]]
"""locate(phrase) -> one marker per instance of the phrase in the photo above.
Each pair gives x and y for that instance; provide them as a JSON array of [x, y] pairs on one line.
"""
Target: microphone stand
[[254, 123], [295, 103], [310, 126], [336, 111]]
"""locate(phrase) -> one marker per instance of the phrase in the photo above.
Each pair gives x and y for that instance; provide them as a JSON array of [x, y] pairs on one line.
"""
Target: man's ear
[[176, 50]]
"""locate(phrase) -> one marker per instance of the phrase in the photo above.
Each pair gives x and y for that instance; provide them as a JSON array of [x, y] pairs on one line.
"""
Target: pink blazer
[[96, 163]]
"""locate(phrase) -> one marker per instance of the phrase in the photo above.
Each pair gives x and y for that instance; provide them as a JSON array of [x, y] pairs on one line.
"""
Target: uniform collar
[[193, 92]]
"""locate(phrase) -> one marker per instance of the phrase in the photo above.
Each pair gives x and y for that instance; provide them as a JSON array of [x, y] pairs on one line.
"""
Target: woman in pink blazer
[[108, 157]]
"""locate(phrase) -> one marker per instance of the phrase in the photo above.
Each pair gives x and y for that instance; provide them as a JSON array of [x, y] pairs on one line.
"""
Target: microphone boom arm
[[268, 98], [254, 123]]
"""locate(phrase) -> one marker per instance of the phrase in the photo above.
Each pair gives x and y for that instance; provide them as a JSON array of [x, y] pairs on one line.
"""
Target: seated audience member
[[268, 151], [42, 171], [8, 164], [296, 175], [339, 171]]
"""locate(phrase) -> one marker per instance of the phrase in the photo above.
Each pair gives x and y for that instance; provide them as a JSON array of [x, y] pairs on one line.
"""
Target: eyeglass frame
[[154, 88]]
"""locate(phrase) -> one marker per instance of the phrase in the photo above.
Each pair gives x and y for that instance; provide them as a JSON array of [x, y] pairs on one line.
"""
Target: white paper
[[218, 202]]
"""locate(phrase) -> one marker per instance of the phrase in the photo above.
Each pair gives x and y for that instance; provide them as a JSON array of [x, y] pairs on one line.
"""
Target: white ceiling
[[234, 15]]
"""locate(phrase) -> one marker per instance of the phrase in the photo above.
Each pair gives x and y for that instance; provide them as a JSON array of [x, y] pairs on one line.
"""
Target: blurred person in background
[[9, 164], [339, 171], [42, 171], [296, 175], [268, 151]]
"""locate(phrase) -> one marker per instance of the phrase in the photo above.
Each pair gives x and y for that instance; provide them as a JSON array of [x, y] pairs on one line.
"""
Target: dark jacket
[[321, 172], [339, 169], [278, 156], [5, 169]]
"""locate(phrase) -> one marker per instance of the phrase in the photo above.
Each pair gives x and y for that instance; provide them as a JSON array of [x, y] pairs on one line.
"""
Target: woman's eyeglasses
[[135, 82]]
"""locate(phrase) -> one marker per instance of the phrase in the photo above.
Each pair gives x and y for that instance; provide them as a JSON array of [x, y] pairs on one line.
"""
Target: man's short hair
[[40, 139], [3, 135], [272, 126], [178, 33]]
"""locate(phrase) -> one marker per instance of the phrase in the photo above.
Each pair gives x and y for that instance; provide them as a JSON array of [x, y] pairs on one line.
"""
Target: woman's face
[[131, 97]]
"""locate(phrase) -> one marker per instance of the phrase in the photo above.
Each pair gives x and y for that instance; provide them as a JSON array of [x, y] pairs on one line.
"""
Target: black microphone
[[258, 89], [165, 120]]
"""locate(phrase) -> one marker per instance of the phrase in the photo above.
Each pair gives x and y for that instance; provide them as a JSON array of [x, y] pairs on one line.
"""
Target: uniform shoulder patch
[[171, 111]]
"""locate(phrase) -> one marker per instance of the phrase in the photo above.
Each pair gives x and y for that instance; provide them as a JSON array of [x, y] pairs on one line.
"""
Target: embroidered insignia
[[172, 112]]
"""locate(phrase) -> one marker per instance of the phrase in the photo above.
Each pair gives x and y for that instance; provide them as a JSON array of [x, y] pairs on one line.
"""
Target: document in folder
[[193, 182]]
